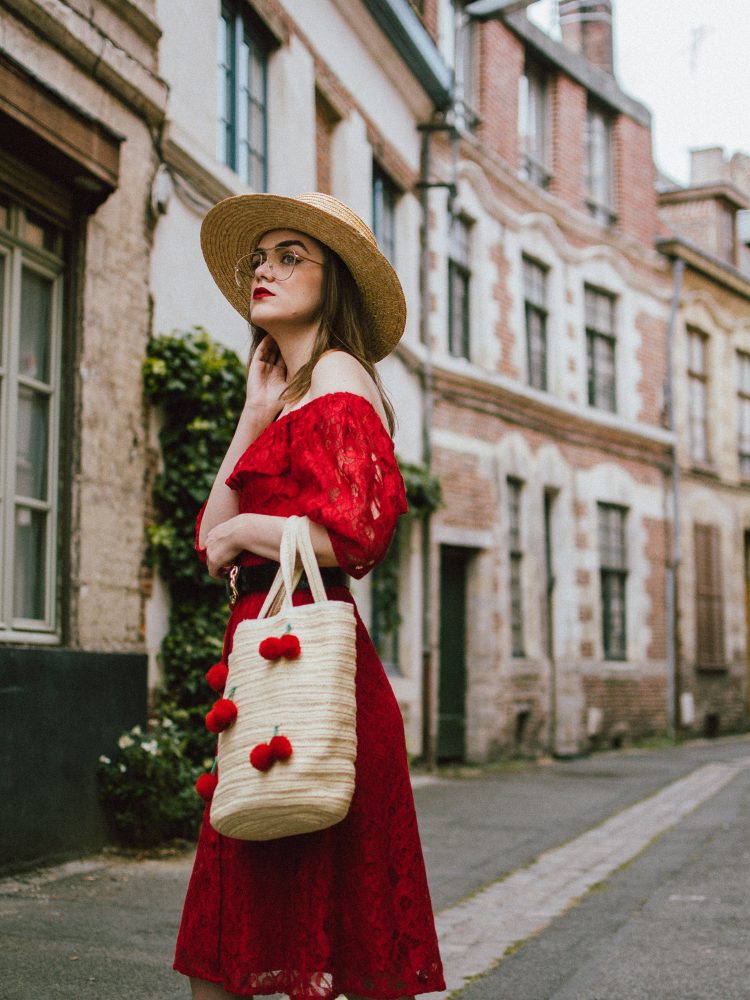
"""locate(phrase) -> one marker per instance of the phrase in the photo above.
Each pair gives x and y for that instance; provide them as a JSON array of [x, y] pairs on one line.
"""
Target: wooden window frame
[[536, 314], [710, 647], [515, 555], [697, 385], [600, 177], [597, 337], [240, 104], [535, 130], [20, 253], [385, 195], [613, 578], [743, 414], [459, 281]]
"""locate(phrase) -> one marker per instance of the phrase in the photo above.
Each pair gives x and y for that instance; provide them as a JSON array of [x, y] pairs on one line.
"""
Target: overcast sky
[[689, 62]]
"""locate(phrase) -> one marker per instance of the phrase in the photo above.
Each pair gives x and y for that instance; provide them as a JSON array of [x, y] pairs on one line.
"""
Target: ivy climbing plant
[[198, 388]]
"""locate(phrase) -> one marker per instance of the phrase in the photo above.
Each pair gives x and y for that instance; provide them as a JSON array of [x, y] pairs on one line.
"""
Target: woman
[[345, 910]]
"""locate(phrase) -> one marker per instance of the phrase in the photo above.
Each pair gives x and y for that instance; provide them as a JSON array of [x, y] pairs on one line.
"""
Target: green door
[[451, 741]]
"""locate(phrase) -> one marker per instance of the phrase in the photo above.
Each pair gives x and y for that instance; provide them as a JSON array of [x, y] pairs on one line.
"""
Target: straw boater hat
[[233, 227]]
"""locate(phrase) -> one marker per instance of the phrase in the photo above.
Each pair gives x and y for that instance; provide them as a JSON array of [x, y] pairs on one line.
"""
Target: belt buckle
[[232, 590]]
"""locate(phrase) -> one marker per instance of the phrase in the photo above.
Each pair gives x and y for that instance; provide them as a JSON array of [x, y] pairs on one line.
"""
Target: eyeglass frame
[[260, 250]]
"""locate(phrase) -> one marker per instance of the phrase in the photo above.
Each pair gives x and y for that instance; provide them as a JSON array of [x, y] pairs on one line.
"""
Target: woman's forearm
[[223, 502], [261, 534]]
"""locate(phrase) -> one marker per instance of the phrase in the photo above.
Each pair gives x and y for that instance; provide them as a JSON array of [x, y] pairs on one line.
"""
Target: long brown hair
[[341, 327]]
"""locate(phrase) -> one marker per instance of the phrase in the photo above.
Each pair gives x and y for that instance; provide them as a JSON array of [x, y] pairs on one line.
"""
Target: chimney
[[586, 27]]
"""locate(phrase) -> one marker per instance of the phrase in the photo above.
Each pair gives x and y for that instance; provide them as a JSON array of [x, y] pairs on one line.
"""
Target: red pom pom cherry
[[224, 713], [217, 676], [213, 725], [289, 646], [261, 757], [206, 784], [269, 648], [280, 747]]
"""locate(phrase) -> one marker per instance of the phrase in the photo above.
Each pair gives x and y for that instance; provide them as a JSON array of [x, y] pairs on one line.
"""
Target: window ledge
[[707, 469], [711, 668]]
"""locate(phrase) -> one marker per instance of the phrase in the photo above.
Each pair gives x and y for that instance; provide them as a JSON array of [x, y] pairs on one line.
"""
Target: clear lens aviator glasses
[[281, 262]]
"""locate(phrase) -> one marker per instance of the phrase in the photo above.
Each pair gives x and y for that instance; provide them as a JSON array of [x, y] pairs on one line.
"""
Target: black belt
[[250, 579]]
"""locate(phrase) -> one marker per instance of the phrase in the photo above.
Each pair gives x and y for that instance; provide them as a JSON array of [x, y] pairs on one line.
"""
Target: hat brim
[[233, 227]]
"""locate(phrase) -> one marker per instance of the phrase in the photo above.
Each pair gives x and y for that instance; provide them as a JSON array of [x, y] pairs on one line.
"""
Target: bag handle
[[295, 541]]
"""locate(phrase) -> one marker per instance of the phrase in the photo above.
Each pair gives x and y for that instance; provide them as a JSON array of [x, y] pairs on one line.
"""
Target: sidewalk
[[103, 928]]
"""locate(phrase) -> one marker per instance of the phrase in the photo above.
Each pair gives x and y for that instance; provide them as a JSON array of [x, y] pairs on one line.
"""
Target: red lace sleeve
[[353, 486], [198, 547]]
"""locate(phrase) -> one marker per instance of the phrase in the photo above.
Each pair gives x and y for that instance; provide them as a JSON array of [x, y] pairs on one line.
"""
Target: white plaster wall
[[351, 166], [185, 294], [367, 65], [291, 120], [188, 61]]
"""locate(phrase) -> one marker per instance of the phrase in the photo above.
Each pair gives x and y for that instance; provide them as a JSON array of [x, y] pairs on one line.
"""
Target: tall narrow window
[[613, 571], [30, 314], [459, 284], [599, 165], [743, 413], [535, 297], [384, 198], [709, 605], [386, 618], [698, 395], [243, 56], [600, 349], [515, 545], [533, 125], [549, 573]]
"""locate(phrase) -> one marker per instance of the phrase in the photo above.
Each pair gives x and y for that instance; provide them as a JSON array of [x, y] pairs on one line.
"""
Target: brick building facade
[[705, 241]]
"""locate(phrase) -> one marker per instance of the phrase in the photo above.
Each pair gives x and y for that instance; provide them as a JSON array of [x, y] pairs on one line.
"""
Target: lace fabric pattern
[[346, 909]]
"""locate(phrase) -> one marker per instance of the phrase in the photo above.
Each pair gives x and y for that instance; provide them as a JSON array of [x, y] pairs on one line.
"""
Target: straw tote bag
[[286, 764]]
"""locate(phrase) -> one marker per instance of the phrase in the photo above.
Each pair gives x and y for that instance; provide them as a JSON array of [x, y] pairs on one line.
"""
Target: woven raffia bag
[[309, 699]]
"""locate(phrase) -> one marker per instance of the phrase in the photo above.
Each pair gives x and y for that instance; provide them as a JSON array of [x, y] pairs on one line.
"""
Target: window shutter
[[709, 620]]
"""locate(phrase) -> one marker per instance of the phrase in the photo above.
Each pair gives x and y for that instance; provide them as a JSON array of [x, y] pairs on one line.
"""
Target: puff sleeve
[[351, 480]]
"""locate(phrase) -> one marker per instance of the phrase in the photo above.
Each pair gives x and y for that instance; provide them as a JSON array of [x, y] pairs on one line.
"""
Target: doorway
[[451, 736]]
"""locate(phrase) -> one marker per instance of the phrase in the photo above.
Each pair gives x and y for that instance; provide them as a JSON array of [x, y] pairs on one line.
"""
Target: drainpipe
[[429, 685], [675, 555], [428, 736]]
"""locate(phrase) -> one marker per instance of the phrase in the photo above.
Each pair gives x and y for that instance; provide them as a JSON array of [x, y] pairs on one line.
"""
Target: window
[[600, 349], [384, 198], [697, 395], [613, 571], [743, 413], [30, 313], [386, 619], [535, 296], [709, 606], [599, 170], [515, 488], [325, 125], [243, 54], [534, 125], [459, 282]]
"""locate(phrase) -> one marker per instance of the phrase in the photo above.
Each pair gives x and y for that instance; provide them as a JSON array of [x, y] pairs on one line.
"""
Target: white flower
[[136, 731], [150, 746], [104, 760], [125, 741], [166, 723], [122, 767]]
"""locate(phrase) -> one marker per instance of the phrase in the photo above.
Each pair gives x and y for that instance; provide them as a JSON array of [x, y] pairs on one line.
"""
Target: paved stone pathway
[[476, 933]]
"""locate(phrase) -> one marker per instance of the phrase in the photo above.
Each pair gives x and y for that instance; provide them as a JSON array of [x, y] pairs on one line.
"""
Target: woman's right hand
[[266, 379]]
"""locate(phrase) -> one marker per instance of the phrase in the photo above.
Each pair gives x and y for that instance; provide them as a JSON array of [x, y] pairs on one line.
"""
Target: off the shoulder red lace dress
[[348, 908]]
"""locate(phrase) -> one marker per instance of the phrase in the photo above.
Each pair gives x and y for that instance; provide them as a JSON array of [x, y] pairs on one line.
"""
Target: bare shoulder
[[337, 371]]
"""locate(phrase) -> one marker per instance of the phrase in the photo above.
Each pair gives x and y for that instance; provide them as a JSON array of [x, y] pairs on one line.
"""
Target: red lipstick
[[261, 292]]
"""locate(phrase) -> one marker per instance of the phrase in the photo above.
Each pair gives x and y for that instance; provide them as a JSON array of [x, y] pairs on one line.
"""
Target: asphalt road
[[671, 923]]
